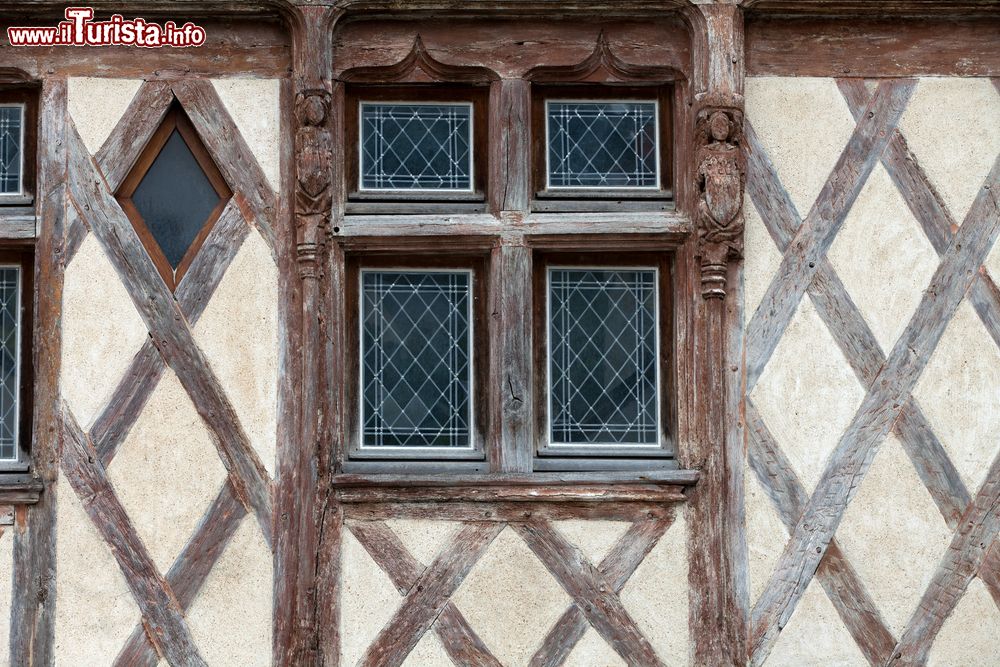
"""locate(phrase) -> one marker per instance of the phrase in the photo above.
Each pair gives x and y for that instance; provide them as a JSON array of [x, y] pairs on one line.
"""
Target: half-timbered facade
[[503, 333]]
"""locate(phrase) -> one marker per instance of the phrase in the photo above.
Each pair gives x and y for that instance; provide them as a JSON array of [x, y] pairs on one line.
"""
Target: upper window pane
[[10, 325], [11, 141], [603, 357], [406, 146], [175, 198], [609, 144], [416, 358]]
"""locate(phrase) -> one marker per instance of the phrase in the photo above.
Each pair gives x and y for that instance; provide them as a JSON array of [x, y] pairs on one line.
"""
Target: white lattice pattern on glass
[[11, 130], [602, 144], [416, 358], [602, 356], [10, 279], [416, 146]]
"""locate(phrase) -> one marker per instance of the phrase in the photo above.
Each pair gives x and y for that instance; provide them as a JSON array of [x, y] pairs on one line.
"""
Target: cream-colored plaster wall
[[892, 532], [168, 471], [512, 601]]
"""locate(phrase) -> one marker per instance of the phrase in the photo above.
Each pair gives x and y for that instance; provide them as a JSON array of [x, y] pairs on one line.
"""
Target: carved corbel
[[313, 191], [721, 178]]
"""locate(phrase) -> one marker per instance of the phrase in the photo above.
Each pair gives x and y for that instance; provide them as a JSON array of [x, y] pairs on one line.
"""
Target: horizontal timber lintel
[[652, 487], [19, 489]]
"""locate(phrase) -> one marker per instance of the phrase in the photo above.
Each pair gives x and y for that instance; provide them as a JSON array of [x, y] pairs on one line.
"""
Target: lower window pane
[[416, 358], [10, 279], [602, 357]]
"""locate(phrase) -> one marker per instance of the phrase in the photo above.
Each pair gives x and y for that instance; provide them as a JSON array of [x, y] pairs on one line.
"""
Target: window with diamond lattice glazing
[[416, 146], [416, 359], [11, 148], [602, 356], [10, 345], [603, 144]]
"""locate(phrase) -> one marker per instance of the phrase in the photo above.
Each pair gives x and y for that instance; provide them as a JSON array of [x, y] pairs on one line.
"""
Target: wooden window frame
[[23, 257], [408, 201], [175, 119], [577, 199], [27, 98], [478, 266], [586, 456]]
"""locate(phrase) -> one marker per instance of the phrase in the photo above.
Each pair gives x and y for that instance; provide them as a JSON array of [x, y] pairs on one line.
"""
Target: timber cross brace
[[368, 559]]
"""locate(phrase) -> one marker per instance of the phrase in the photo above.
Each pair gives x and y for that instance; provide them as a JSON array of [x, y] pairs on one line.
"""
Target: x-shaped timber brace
[[888, 405], [170, 318], [427, 591]]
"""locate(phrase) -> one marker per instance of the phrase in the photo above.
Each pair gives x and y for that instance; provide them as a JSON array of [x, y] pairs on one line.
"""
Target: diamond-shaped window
[[173, 195]]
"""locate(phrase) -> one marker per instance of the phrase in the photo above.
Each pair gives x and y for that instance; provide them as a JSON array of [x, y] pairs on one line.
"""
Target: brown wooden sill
[[19, 489], [647, 487]]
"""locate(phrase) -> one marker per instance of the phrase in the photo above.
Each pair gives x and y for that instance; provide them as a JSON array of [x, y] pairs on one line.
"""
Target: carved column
[[719, 604], [297, 510]]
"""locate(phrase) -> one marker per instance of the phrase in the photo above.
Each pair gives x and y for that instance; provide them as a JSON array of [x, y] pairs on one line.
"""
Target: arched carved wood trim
[[419, 66], [602, 66], [13, 75]]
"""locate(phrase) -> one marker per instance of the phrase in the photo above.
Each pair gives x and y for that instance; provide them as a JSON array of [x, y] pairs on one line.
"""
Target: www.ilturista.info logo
[[79, 29]]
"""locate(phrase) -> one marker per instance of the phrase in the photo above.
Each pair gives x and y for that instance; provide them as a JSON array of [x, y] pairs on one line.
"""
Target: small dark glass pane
[[10, 287], [415, 358], [11, 131], [175, 198], [602, 357], [416, 147], [602, 144]]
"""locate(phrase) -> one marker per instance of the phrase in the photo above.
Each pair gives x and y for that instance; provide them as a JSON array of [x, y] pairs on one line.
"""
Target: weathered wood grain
[[873, 47], [430, 594], [617, 567], [505, 512], [230, 153], [814, 236], [841, 582], [190, 570], [129, 137], [192, 294], [591, 591], [32, 620], [976, 535], [161, 612], [500, 480], [174, 340], [456, 635], [879, 409], [510, 145]]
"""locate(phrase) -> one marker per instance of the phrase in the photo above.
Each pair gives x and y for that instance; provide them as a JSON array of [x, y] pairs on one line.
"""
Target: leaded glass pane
[[602, 144], [416, 358], [175, 198], [11, 132], [10, 279], [602, 356], [416, 147]]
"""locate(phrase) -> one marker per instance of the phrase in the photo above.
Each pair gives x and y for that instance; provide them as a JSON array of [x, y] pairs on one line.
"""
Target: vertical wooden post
[[719, 604], [298, 515], [511, 394], [32, 632]]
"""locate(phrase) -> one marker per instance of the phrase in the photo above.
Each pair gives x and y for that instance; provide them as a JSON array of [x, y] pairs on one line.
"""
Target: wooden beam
[[192, 294], [617, 567], [132, 133], [460, 641], [32, 620], [161, 612], [165, 320], [190, 570], [814, 236], [591, 591], [880, 408], [504, 512], [430, 594]]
